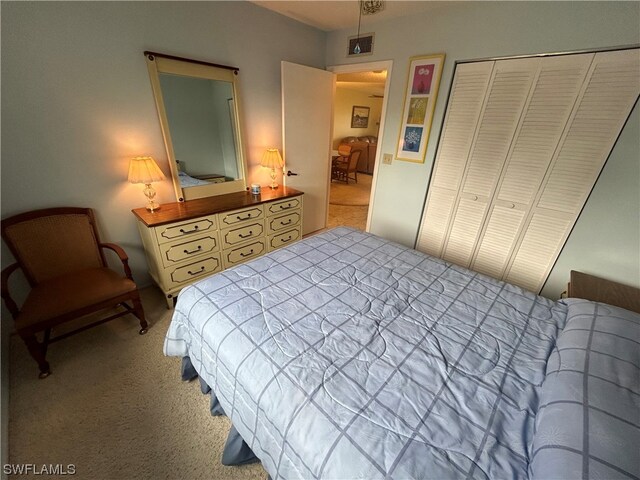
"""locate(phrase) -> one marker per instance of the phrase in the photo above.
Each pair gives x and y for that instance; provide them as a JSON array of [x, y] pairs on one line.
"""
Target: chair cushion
[[71, 292], [344, 149]]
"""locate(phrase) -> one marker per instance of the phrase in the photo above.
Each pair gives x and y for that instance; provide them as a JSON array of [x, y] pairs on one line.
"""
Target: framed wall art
[[359, 117], [423, 83]]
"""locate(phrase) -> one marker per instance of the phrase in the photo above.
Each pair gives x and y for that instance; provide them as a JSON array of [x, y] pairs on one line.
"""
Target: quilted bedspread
[[347, 356]]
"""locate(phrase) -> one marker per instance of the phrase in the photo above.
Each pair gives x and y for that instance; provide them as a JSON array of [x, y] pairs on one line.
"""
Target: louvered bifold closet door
[[545, 127], [505, 100], [465, 104], [605, 101], [553, 97]]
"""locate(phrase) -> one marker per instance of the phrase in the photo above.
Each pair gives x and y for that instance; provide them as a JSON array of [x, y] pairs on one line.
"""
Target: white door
[[307, 123]]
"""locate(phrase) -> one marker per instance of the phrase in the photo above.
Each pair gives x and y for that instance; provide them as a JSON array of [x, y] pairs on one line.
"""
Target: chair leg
[[37, 352], [139, 312]]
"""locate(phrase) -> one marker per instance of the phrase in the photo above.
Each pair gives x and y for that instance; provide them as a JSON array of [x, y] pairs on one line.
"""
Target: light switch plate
[[387, 158]]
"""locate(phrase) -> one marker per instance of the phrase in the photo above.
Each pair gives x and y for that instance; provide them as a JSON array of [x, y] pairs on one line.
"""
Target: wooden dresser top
[[179, 211]]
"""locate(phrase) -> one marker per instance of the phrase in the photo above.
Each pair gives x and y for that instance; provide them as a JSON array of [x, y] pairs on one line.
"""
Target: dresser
[[186, 241]]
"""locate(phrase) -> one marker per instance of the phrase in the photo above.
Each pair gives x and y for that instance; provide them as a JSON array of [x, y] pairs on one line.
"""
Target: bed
[[187, 180], [347, 356]]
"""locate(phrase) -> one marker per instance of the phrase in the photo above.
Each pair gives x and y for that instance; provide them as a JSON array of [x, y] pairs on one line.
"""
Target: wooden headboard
[[583, 285]]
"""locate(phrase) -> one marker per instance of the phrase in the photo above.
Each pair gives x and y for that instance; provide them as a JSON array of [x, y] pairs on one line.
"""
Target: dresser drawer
[[280, 222], [237, 216], [196, 270], [237, 235], [241, 254], [284, 238], [174, 231], [274, 208], [175, 252]]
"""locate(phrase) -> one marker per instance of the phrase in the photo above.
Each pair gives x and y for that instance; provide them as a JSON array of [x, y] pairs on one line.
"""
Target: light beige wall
[[77, 104], [475, 30], [344, 102], [77, 101]]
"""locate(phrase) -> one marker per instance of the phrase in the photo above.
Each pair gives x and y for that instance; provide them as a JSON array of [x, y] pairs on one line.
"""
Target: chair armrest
[[122, 255], [4, 289]]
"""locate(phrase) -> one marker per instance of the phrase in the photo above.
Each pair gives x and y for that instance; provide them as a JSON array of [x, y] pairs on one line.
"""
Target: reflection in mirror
[[200, 120], [197, 106]]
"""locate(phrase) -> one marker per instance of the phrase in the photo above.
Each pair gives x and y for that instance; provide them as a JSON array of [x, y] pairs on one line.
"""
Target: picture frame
[[360, 117], [421, 94]]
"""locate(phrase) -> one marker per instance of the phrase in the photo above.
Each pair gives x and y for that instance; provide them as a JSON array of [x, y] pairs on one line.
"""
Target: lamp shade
[[144, 170], [272, 158]]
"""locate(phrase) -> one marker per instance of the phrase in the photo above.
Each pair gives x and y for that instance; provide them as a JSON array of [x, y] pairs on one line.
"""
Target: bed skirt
[[236, 450]]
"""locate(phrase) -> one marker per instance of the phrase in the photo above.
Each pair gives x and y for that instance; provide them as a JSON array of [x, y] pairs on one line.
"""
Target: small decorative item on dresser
[[272, 159], [145, 170], [255, 189]]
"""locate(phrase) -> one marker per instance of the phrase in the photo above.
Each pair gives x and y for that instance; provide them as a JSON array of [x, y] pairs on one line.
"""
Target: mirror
[[197, 105]]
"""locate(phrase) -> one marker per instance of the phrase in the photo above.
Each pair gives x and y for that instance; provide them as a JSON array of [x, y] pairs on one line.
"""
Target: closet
[[522, 145]]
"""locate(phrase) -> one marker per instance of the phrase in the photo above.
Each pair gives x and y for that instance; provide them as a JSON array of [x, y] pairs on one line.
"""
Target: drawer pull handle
[[250, 234], [285, 207], [195, 229], [285, 240], [244, 218], [197, 271], [286, 223], [189, 252], [246, 254]]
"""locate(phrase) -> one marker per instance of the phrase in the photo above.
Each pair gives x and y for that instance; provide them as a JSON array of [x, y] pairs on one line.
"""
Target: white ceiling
[[337, 15]]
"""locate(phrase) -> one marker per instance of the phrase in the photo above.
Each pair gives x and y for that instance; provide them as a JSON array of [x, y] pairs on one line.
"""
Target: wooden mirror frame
[[160, 63]]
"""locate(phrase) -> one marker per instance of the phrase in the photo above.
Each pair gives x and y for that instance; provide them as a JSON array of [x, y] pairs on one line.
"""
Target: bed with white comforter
[[347, 356]]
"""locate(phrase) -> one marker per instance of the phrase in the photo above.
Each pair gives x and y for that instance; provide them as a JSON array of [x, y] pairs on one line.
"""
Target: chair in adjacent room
[[62, 258], [344, 169]]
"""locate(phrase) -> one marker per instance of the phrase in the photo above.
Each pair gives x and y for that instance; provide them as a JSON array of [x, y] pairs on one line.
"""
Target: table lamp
[[145, 170], [272, 159]]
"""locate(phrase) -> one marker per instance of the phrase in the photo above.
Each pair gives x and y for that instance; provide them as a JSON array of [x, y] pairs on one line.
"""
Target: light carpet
[[116, 408], [347, 216], [354, 194]]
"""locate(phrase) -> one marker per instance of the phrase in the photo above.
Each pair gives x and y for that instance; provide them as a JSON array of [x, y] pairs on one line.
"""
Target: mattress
[[347, 356]]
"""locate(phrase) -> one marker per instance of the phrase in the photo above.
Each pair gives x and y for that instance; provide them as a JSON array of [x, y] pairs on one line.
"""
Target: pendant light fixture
[[365, 7], [357, 49]]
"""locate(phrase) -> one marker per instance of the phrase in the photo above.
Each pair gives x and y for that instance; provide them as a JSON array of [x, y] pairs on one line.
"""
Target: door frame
[[367, 67]]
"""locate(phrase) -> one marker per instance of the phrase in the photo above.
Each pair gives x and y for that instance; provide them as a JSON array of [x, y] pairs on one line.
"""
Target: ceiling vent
[[365, 41]]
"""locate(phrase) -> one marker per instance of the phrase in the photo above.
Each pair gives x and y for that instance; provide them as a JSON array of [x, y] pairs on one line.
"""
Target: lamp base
[[273, 185], [153, 206], [151, 193]]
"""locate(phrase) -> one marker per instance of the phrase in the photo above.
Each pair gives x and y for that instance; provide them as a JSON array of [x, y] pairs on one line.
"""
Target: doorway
[[359, 109]]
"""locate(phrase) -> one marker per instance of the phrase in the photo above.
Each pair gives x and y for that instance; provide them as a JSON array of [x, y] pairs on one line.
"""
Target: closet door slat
[[553, 99], [437, 214], [502, 229], [543, 238], [465, 103], [467, 94], [610, 93], [506, 97], [467, 224]]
